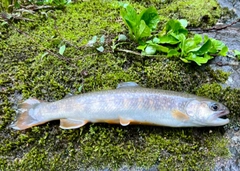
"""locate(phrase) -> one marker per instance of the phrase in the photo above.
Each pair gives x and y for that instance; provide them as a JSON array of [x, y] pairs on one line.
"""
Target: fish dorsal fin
[[127, 85], [71, 123], [124, 122]]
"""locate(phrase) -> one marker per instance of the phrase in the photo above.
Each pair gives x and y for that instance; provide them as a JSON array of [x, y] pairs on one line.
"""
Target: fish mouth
[[219, 118]]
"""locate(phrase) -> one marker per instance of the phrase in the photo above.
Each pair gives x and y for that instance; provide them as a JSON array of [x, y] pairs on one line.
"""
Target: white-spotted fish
[[128, 104]]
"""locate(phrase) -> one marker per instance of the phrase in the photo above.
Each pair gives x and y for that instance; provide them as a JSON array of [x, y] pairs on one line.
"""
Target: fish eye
[[214, 106]]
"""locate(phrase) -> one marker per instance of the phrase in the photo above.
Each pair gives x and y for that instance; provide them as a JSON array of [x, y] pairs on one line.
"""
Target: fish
[[128, 104]]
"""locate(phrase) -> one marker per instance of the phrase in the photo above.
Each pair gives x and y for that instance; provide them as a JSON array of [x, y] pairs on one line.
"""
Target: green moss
[[25, 72], [198, 13]]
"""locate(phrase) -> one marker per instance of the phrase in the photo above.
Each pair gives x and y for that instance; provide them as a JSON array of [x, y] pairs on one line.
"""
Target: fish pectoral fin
[[71, 123], [127, 85], [124, 122], [180, 115]]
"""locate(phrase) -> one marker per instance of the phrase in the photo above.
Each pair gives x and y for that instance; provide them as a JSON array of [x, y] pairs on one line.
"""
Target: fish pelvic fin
[[71, 123], [124, 122], [26, 119]]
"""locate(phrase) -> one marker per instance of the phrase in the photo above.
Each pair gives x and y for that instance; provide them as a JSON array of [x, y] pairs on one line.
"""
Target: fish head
[[207, 112]]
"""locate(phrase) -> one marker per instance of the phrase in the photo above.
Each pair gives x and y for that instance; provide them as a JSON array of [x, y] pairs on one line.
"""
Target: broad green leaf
[[218, 46], [156, 40], [151, 17], [175, 26], [189, 45], [141, 47], [173, 52], [168, 39], [130, 18], [161, 48], [206, 38], [204, 48], [236, 53], [183, 22], [197, 59], [197, 38], [182, 39], [143, 31], [150, 50], [224, 51], [62, 49]]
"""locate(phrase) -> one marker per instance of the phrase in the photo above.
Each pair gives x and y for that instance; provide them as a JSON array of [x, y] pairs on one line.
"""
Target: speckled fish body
[[125, 105]]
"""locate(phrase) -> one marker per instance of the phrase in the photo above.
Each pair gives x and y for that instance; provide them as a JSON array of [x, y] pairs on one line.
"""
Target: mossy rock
[[26, 72]]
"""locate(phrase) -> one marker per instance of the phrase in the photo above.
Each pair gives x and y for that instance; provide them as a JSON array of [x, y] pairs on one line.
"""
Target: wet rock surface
[[231, 37], [233, 5], [233, 163]]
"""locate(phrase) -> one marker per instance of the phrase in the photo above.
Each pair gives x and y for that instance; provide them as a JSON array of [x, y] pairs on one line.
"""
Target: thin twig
[[215, 27], [135, 53]]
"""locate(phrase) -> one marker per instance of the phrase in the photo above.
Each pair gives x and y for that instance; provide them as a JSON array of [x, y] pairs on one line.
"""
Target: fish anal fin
[[127, 85], [124, 122], [71, 123], [180, 115]]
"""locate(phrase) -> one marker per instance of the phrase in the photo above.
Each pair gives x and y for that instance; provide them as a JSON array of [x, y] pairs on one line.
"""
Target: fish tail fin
[[26, 117]]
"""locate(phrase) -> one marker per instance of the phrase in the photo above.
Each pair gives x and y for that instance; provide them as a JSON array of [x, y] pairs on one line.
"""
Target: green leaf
[[141, 47], [197, 38], [150, 17], [122, 37], [143, 31], [161, 48], [189, 45], [204, 48], [224, 51], [175, 26], [158, 47], [156, 40], [80, 88], [183, 22], [168, 39], [182, 39], [130, 18], [100, 49], [236, 53], [102, 39], [62, 49], [92, 41], [173, 52], [197, 59], [218, 47], [185, 60], [150, 50]]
